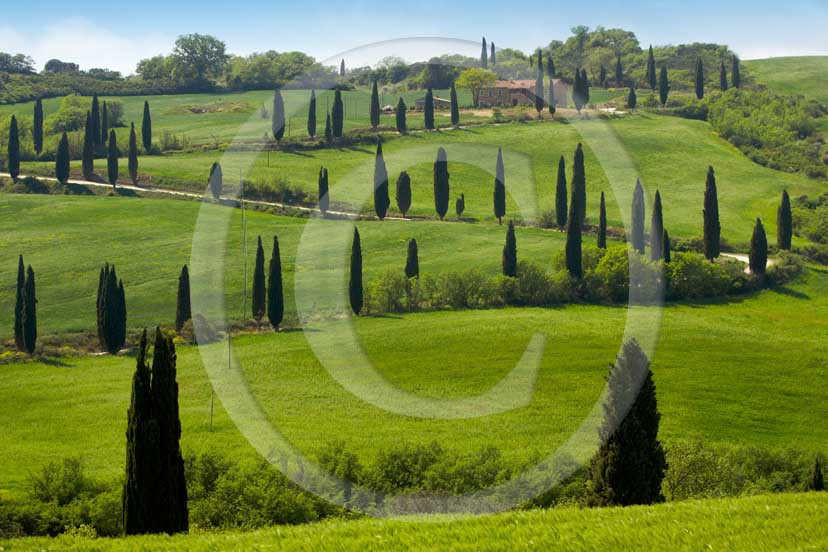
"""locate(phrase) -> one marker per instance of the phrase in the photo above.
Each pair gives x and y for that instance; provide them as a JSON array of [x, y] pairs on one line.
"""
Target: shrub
[[691, 276]]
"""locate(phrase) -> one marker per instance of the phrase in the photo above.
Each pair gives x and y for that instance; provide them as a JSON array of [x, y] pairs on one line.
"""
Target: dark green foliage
[[663, 86], [402, 125], [784, 223], [667, 248], [146, 129], [428, 110], [492, 55], [499, 189], [574, 264], [723, 86], [602, 76], [579, 184], [355, 280], [95, 121], [183, 305], [312, 115], [322, 191], [104, 123], [509, 260], [657, 230], [29, 318], [619, 73], [403, 193], [758, 250], [602, 224], [561, 195], [484, 61], [736, 75], [62, 160], [539, 94], [550, 66], [277, 123], [37, 127], [700, 79], [816, 482], [651, 69], [412, 260], [712, 228], [328, 129], [216, 180], [337, 114], [99, 301], [441, 183], [342, 68], [112, 159], [460, 205], [258, 292], [630, 464], [18, 305], [375, 106], [141, 450], [14, 149], [111, 311], [584, 87], [455, 106], [552, 102], [132, 161], [88, 155], [275, 294], [637, 218], [632, 99], [381, 199]]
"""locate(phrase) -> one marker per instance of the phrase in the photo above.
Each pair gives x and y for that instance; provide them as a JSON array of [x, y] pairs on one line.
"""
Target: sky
[[117, 35]]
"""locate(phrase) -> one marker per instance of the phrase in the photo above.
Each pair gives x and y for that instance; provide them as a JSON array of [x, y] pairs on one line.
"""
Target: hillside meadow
[[803, 75]]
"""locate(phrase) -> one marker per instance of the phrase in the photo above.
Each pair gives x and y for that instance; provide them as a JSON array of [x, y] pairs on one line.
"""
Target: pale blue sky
[[117, 35]]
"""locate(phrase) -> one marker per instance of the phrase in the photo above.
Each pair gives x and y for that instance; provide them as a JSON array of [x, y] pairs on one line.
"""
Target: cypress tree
[[619, 73], [19, 304], [816, 482], [14, 149], [441, 183], [412, 260], [323, 194], [96, 121], [104, 123], [484, 62], [632, 99], [712, 228], [723, 78], [99, 304], [111, 312], [277, 124], [381, 199], [275, 294], [29, 319], [342, 68], [539, 93], [499, 189], [509, 260], [328, 129], [141, 450], [550, 66], [258, 296], [579, 184], [637, 235], [375, 106], [602, 224], [455, 106], [62, 160], [216, 180], [37, 127], [663, 86], [758, 250], [460, 205], [602, 76], [666, 251], [402, 125], [552, 102], [651, 69], [784, 223], [630, 464], [88, 155], [183, 306], [492, 55], [577, 91], [337, 114], [657, 230], [132, 162], [573, 240], [560, 194], [112, 159], [312, 115], [736, 76], [146, 129], [585, 86], [403, 193], [700, 79], [355, 281], [428, 110]]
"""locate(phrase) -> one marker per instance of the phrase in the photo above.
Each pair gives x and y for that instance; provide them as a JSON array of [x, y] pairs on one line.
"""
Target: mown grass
[[803, 75]]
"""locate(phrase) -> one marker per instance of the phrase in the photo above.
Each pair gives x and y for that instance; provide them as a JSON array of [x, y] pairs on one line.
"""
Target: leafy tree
[[355, 281], [460, 205], [630, 464], [133, 155], [402, 125], [619, 73], [602, 224], [657, 230], [500, 189], [784, 223], [328, 129], [579, 184], [146, 129], [104, 123], [258, 293], [455, 107], [199, 60], [666, 251], [337, 114], [277, 124], [183, 308], [29, 318], [637, 234], [428, 110], [88, 155], [758, 250], [509, 260], [403, 193], [441, 183], [736, 75], [712, 228], [816, 482], [216, 180], [474, 80], [96, 120], [14, 149], [651, 69], [112, 159], [700, 79], [412, 260], [723, 78], [539, 93], [484, 62], [560, 194], [381, 199], [663, 86], [19, 305], [37, 127], [312, 115], [632, 99], [573, 240], [322, 191], [275, 294], [62, 160]]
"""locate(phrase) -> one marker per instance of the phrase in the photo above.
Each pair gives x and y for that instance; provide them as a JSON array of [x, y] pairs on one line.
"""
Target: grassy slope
[[793, 75], [761, 523]]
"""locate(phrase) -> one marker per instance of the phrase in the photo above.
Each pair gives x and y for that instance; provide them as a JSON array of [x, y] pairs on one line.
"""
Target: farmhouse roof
[[519, 84]]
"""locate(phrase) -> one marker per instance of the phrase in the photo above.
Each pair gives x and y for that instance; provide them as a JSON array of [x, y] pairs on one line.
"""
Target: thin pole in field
[[244, 246]]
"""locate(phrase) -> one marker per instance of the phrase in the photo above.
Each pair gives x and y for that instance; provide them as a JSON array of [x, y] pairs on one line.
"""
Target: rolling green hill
[[805, 75]]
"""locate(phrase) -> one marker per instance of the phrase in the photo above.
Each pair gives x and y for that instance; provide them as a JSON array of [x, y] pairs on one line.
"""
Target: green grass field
[[792, 75]]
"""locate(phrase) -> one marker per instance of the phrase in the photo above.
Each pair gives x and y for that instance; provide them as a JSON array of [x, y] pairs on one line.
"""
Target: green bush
[[70, 116], [691, 276]]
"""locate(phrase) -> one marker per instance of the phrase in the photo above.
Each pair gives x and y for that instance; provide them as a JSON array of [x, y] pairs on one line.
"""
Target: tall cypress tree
[[585, 86], [99, 304], [492, 54], [403, 193], [784, 223], [62, 160], [412, 260], [663, 86], [736, 75], [37, 127], [355, 280], [258, 296], [146, 129], [402, 124], [550, 67], [499, 188], [637, 233], [657, 230], [509, 259], [484, 61], [337, 114], [132, 162], [723, 78], [552, 102], [441, 183], [275, 294], [577, 92], [632, 99], [112, 159], [700, 79], [712, 228], [141, 450], [96, 121], [539, 93], [651, 69], [375, 106], [560, 194], [18, 305], [277, 123], [216, 180], [602, 76], [666, 247], [112, 311], [104, 123], [428, 110], [322, 191], [455, 107], [758, 250], [29, 319], [602, 224], [619, 73], [328, 129], [14, 149], [381, 199], [342, 68], [630, 464], [183, 305], [88, 155], [312, 115], [579, 184], [573, 240]]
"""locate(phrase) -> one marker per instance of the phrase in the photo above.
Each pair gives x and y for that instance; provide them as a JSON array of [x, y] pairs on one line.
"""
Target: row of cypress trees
[[25, 309], [267, 294]]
